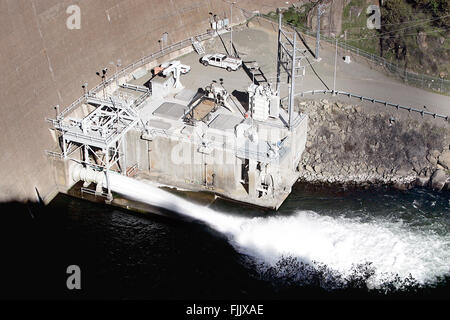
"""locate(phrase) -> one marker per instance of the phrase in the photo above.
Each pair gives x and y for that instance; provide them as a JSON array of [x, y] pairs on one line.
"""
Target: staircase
[[197, 46], [254, 71]]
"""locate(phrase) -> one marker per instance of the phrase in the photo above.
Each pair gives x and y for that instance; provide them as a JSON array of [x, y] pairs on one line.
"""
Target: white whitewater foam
[[337, 242]]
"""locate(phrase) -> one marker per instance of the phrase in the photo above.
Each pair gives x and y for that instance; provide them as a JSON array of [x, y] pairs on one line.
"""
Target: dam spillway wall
[[43, 63]]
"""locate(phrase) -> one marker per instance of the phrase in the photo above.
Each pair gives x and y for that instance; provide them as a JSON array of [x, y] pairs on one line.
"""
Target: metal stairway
[[254, 72], [197, 46]]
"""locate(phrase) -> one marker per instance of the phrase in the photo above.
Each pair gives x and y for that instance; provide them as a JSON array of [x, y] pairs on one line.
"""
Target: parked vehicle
[[222, 61]]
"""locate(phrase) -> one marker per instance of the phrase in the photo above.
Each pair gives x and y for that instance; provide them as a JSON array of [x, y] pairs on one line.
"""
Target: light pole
[[231, 25], [118, 64], [215, 21], [103, 76], [163, 40], [335, 67], [57, 111], [211, 20], [84, 86]]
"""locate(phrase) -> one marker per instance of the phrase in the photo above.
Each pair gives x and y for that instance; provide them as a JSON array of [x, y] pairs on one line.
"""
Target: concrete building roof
[[225, 122], [171, 110]]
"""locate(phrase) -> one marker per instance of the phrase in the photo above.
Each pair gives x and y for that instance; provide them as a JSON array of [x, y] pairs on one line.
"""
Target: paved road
[[360, 78], [356, 77]]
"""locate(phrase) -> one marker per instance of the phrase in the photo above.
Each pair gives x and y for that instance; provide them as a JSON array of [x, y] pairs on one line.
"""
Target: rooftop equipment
[[263, 102]]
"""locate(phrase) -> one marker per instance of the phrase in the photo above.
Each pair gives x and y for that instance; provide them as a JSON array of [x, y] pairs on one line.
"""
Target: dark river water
[[321, 244]]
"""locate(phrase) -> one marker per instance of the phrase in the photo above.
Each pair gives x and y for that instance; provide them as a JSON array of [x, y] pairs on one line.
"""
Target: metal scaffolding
[[99, 137]]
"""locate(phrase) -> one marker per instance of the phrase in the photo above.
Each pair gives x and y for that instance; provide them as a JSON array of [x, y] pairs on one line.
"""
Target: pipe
[[88, 176]]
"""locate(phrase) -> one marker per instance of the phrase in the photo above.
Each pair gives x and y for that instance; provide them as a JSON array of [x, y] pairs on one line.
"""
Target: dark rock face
[[350, 147]]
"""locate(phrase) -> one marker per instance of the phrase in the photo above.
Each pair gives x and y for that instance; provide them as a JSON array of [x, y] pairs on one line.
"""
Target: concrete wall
[[43, 64], [181, 162]]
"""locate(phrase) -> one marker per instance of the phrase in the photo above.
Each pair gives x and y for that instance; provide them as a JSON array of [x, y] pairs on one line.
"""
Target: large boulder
[[422, 40], [439, 179], [422, 180], [444, 159], [432, 159], [400, 186], [404, 170]]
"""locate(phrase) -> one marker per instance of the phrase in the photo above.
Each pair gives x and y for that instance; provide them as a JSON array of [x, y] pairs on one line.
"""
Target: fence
[[423, 81], [141, 62], [385, 103], [414, 79]]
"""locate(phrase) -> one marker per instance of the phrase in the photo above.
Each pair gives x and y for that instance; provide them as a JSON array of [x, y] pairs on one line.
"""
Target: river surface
[[321, 243]]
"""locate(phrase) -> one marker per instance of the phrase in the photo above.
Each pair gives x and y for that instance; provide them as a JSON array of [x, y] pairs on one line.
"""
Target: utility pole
[[280, 18], [335, 68], [292, 97], [290, 60], [319, 13], [345, 41]]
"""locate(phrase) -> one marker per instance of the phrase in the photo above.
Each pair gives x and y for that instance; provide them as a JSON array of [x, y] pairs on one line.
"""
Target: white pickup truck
[[222, 61]]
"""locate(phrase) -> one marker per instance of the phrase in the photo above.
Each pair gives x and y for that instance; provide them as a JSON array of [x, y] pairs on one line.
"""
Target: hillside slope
[[415, 34]]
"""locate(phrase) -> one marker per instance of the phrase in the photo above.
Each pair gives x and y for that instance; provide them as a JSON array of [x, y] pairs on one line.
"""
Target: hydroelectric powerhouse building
[[197, 139]]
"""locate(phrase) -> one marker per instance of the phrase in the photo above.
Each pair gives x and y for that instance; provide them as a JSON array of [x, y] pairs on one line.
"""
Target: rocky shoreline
[[351, 148]]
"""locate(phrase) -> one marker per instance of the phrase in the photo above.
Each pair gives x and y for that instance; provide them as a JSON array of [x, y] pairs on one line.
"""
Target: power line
[[393, 36], [407, 22], [388, 32], [415, 34]]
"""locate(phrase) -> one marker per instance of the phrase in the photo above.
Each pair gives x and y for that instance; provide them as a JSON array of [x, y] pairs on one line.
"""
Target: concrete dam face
[[50, 48]]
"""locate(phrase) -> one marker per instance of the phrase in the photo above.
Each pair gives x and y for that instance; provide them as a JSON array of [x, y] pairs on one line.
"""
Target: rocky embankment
[[349, 147]]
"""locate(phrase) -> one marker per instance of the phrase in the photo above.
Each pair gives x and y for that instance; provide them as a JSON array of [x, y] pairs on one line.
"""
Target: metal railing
[[372, 100], [132, 171], [418, 80], [141, 62], [93, 193], [53, 154], [135, 87]]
